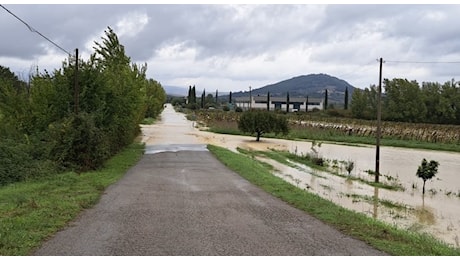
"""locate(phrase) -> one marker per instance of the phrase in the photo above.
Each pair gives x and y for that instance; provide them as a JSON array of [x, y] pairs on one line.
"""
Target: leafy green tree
[[14, 105], [426, 171], [7, 76], [403, 101], [450, 103], [124, 102], [358, 103], [209, 101], [155, 98], [177, 101], [438, 101], [260, 122]]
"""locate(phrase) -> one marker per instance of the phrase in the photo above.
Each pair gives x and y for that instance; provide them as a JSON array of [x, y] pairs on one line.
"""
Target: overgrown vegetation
[[407, 101], [32, 211], [380, 235], [48, 125]]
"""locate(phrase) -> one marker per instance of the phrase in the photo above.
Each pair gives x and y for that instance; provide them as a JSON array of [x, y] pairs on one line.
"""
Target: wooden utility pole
[[379, 119], [76, 89]]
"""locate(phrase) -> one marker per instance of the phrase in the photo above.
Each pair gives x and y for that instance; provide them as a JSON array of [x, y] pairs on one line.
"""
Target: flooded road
[[436, 213]]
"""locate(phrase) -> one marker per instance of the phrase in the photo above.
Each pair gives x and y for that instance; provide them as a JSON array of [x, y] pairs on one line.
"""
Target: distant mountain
[[176, 91], [312, 85]]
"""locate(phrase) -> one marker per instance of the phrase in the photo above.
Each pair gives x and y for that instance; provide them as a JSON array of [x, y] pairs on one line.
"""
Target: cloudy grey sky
[[231, 47]]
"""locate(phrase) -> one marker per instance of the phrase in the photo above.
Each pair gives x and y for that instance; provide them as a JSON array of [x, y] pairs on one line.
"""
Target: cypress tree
[[325, 99], [306, 105], [346, 99], [287, 103], [230, 98], [203, 100], [193, 95], [268, 101]]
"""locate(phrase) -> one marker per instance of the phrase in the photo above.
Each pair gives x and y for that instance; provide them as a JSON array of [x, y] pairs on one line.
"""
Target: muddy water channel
[[436, 213]]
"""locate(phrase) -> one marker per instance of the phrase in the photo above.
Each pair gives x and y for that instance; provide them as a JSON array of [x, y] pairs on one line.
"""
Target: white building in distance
[[278, 103]]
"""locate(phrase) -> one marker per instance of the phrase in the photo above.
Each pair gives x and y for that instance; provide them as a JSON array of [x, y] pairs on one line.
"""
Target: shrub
[[16, 163], [78, 144]]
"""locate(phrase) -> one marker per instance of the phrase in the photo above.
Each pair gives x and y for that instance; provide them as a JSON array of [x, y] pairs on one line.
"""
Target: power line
[[35, 31], [431, 62]]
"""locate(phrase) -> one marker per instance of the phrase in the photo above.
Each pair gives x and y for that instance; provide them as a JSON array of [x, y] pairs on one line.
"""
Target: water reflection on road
[[437, 213]]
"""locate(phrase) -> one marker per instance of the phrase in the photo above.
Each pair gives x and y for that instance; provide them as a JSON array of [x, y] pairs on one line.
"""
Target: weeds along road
[[180, 200]]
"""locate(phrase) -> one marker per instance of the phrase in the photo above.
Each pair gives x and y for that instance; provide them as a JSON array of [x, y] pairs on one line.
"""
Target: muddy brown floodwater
[[437, 213]]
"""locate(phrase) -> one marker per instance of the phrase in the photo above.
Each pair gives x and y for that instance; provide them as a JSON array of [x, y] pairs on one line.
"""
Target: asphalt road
[[181, 202]]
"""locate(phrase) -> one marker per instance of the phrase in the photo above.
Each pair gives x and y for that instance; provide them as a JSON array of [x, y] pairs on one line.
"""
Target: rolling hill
[[312, 85]]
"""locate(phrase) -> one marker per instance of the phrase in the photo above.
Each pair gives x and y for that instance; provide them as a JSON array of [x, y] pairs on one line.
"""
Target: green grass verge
[[376, 233], [283, 156], [31, 212], [149, 121]]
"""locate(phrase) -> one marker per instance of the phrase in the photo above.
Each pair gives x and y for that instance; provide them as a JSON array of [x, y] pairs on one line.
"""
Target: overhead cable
[[35, 31]]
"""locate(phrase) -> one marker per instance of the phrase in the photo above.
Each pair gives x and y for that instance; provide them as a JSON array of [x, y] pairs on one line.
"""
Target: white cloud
[[176, 51], [131, 24]]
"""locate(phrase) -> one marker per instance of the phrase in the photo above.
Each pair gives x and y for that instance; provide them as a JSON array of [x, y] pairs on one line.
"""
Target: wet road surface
[[180, 200]]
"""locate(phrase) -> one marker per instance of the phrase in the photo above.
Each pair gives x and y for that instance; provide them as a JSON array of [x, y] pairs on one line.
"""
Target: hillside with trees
[[312, 85]]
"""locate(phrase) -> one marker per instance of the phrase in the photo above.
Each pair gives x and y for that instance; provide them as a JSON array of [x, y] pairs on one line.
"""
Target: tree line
[[74, 119], [407, 101]]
